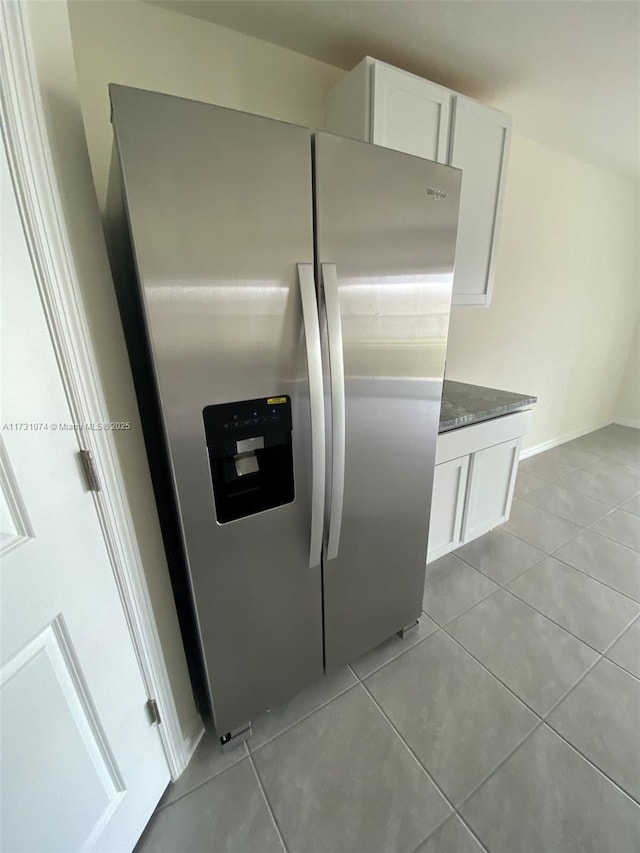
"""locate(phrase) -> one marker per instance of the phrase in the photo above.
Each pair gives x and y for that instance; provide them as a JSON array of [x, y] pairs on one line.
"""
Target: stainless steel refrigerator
[[289, 294]]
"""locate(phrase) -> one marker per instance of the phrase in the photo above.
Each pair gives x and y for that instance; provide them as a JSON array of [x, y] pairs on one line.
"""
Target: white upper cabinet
[[409, 114], [384, 105], [479, 145]]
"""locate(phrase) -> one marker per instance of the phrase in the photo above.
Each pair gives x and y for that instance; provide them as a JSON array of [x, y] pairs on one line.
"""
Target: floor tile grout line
[[456, 809], [564, 628], [544, 722], [610, 538], [542, 719], [526, 542], [443, 627], [609, 507], [215, 775], [502, 528], [400, 653], [539, 721], [562, 483], [306, 716], [485, 779], [517, 575], [471, 830], [589, 669], [412, 753], [403, 651], [268, 804], [632, 797], [615, 663], [466, 610], [582, 527], [424, 768], [427, 837], [584, 572], [606, 455], [592, 529], [463, 821], [613, 479], [575, 684], [555, 515], [569, 488], [570, 539], [523, 601], [492, 674], [449, 802]]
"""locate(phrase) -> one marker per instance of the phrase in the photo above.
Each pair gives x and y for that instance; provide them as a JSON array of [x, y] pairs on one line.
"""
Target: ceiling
[[568, 71]]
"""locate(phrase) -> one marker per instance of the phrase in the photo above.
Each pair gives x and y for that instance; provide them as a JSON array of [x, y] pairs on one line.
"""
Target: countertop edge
[[481, 417]]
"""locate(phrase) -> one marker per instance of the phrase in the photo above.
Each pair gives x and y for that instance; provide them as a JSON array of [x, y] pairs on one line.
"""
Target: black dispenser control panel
[[250, 455]]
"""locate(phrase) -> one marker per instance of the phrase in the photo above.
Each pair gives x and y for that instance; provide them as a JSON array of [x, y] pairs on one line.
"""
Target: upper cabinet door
[[389, 107], [409, 114], [479, 146]]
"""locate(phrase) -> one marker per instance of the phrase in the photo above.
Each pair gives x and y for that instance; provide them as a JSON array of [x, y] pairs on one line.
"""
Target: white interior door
[[82, 765]]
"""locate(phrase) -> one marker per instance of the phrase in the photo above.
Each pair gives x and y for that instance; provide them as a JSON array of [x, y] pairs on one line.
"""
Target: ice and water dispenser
[[250, 455]]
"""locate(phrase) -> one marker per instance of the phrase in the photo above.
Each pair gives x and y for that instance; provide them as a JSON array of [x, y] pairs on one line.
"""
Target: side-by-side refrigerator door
[[220, 213], [386, 228]]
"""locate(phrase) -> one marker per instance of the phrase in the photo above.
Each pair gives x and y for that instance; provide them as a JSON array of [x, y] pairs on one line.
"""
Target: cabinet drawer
[[466, 440]]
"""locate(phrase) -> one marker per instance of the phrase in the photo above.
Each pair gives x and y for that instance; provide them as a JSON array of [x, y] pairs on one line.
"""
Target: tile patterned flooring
[[508, 721]]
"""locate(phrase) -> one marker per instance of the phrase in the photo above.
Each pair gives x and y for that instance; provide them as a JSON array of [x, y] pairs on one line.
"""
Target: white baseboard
[[628, 422], [569, 436], [190, 743]]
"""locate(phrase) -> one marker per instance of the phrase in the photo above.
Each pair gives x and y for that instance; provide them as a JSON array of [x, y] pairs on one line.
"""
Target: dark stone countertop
[[464, 404]]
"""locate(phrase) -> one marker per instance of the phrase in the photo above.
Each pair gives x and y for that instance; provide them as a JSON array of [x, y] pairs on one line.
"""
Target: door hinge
[[90, 470], [153, 712]]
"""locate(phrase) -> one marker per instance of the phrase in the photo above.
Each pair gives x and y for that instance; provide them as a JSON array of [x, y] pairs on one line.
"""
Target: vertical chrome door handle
[[316, 401], [336, 365]]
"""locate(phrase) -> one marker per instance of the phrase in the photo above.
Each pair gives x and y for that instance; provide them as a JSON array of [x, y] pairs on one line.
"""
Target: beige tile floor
[[508, 721]]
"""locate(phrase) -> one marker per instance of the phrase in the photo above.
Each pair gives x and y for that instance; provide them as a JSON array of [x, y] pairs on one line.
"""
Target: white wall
[[57, 81], [627, 410], [141, 45], [566, 293]]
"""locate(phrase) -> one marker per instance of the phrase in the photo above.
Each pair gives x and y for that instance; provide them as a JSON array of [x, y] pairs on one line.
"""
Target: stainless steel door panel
[[220, 213], [388, 222]]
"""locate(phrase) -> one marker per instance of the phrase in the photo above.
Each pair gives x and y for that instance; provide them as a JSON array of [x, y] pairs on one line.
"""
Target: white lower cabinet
[[447, 507], [473, 482], [490, 491]]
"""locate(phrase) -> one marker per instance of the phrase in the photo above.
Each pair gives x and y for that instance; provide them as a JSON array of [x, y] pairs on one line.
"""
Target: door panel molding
[[16, 527], [45, 228], [49, 656]]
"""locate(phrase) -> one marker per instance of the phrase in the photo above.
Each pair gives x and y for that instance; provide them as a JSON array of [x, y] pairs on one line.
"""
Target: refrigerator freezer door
[[387, 222], [220, 213]]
